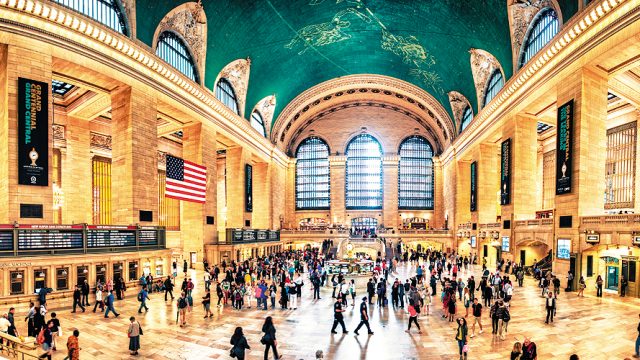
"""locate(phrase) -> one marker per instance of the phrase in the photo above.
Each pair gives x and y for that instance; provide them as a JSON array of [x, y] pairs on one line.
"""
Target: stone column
[[337, 170], [290, 195], [199, 146], [76, 173], [237, 158], [488, 182], [438, 198], [34, 64], [390, 190], [135, 155], [463, 193], [261, 195], [278, 197]]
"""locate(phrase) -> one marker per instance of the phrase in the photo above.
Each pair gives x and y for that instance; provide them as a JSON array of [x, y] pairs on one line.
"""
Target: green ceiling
[[424, 42]]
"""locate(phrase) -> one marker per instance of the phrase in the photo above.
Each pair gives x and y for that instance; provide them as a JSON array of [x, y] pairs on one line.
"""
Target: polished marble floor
[[594, 328]]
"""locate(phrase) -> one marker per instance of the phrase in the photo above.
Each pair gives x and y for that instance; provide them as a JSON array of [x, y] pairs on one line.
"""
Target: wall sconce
[[64, 272], [496, 234], [41, 273], [102, 269], [159, 262], [120, 267], [483, 235], [19, 276], [135, 265]]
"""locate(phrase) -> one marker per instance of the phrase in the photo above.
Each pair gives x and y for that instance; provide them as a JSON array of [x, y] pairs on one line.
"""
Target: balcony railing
[[611, 220], [533, 222]]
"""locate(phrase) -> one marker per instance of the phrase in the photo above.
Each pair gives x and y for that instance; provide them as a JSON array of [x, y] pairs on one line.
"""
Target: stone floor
[[594, 328]]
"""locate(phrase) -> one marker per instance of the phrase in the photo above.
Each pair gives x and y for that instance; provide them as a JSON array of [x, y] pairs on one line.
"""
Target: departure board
[[148, 237], [6, 240], [49, 239], [110, 238]]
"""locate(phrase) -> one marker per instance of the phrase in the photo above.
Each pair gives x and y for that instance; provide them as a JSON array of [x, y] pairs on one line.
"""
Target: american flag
[[185, 180]]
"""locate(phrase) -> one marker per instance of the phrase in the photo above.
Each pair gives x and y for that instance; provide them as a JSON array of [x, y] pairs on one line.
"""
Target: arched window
[[107, 12], [364, 173], [415, 174], [225, 93], [544, 28], [258, 123], [467, 116], [496, 82], [312, 175], [172, 49]]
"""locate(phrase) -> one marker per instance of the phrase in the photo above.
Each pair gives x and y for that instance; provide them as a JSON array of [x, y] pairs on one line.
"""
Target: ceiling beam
[[624, 91]]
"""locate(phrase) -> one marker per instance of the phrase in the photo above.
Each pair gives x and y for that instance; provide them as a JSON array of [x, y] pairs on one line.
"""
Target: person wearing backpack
[[182, 309], [143, 296], [134, 332], [45, 338], [239, 343]]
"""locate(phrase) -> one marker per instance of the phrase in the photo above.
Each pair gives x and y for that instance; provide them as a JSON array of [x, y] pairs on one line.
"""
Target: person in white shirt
[[99, 301], [293, 296]]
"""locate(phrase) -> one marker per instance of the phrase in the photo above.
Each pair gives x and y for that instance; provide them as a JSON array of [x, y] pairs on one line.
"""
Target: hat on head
[[364, 298]]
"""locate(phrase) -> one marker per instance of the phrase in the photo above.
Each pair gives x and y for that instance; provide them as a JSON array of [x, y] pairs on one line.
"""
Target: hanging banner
[[33, 132], [474, 185], [564, 149], [248, 188], [505, 173]]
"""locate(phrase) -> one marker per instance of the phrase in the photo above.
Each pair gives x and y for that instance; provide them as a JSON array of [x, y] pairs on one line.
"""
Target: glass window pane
[[364, 173], [258, 123], [106, 12], [544, 28], [174, 51], [312, 175], [225, 93], [415, 174], [467, 116], [495, 84]]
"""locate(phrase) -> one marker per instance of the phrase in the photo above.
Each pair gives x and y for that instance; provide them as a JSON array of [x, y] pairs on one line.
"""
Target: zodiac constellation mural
[[408, 48]]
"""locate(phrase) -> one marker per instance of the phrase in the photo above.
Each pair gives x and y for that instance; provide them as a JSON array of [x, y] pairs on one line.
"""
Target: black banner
[[33, 132], [564, 149], [248, 188], [505, 172], [474, 185]]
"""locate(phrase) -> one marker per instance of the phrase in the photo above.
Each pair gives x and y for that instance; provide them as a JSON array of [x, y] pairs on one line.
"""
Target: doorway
[[523, 257], [612, 278], [193, 259]]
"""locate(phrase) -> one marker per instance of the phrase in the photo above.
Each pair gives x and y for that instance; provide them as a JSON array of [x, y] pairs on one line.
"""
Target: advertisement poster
[[564, 149], [473, 241], [474, 185], [248, 188], [505, 244], [505, 172], [564, 249], [33, 132]]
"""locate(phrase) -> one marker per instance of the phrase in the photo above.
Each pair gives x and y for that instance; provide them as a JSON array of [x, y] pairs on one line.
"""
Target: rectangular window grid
[[312, 176], [415, 175], [169, 209], [364, 174], [101, 191], [548, 180], [620, 167]]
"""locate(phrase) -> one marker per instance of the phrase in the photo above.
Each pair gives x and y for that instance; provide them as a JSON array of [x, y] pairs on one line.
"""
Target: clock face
[[349, 247]]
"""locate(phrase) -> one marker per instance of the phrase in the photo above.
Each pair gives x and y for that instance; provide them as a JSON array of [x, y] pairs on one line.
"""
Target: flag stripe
[[185, 197], [185, 190], [185, 180]]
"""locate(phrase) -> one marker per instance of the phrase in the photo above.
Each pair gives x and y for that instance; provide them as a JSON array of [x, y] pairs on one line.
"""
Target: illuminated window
[[172, 49], [467, 116], [62, 278], [544, 28], [169, 209], [101, 190], [17, 282], [620, 167], [133, 270], [258, 123], [312, 175], [60, 88], [415, 174], [364, 173], [225, 93], [496, 82], [107, 12]]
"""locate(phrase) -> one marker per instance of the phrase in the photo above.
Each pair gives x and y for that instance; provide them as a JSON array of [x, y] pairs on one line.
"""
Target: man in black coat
[[76, 299], [168, 288], [85, 294], [338, 318], [371, 290], [364, 317]]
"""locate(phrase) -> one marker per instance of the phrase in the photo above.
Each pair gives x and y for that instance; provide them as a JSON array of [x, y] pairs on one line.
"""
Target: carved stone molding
[[483, 64], [266, 108], [100, 141], [130, 9], [58, 132], [458, 103], [237, 73], [162, 160], [521, 14], [190, 22]]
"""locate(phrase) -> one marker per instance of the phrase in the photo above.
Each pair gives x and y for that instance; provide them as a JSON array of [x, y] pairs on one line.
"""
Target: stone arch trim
[[189, 21], [237, 74], [266, 108], [483, 65], [521, 15], [458, 103], [352, 88]]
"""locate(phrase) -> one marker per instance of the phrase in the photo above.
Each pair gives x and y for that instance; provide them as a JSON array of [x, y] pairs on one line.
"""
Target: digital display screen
[[108, 238], [6, 240], [49, 239], [148, 237], [505, 243]]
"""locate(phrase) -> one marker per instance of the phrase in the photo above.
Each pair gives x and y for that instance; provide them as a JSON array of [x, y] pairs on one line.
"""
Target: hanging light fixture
[[41, 274]]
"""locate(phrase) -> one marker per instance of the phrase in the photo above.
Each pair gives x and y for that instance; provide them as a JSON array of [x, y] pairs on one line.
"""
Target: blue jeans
[[143, 304], [460, 346], [638, 346], [110, 308]]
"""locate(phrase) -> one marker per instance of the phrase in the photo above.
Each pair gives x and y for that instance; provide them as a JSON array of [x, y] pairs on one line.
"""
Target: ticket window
[[62, 278], [117, 271], [146, 270], [82, 275], [159, 266], [133, 270], [101, 273], [17, 282], [39, 280]]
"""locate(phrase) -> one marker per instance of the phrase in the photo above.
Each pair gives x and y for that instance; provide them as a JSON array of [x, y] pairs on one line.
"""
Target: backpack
[[182, 303], [140, 296], [40, 338]]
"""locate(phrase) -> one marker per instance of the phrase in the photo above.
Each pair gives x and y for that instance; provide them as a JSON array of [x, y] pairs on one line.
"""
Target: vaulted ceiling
[[296, 44]]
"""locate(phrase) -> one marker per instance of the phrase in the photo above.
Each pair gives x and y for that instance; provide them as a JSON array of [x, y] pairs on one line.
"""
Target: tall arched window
[[495, 84], [225, 93], [312, 175], [544, 28], [467, 116], [172, 49], [258, 123], [415, 174], [364, 173], [107, 12]]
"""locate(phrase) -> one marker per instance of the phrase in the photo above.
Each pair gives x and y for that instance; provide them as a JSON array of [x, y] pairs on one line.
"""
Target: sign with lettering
[[564, 249], [505, 172], [248, 188], [564, 149], [505, 244], [473, 241], [593, 238], [474, 185], [33, 132]]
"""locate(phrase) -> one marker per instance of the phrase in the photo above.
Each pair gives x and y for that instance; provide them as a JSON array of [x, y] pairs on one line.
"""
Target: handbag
[[140, 326], [465, 348], [232, 352]]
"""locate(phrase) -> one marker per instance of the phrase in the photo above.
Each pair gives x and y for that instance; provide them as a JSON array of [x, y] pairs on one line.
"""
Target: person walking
[[184, 268], [364, 317], [73, 346], [550, 305], [85, 294], [143, 296], [516, 352], [413, 317], [581, 286], [47, 341], [599, 283], [99, 301], [134, 332], [529, 351], [493, 314], [109, 305], [503, 320], [77, 296], [206, 303], [637, 354], [623, 285], [182, 305], [477, 316], [269, 338], [168, 288], [352, 291], [338, 317], [461, 337], [239, 343]]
